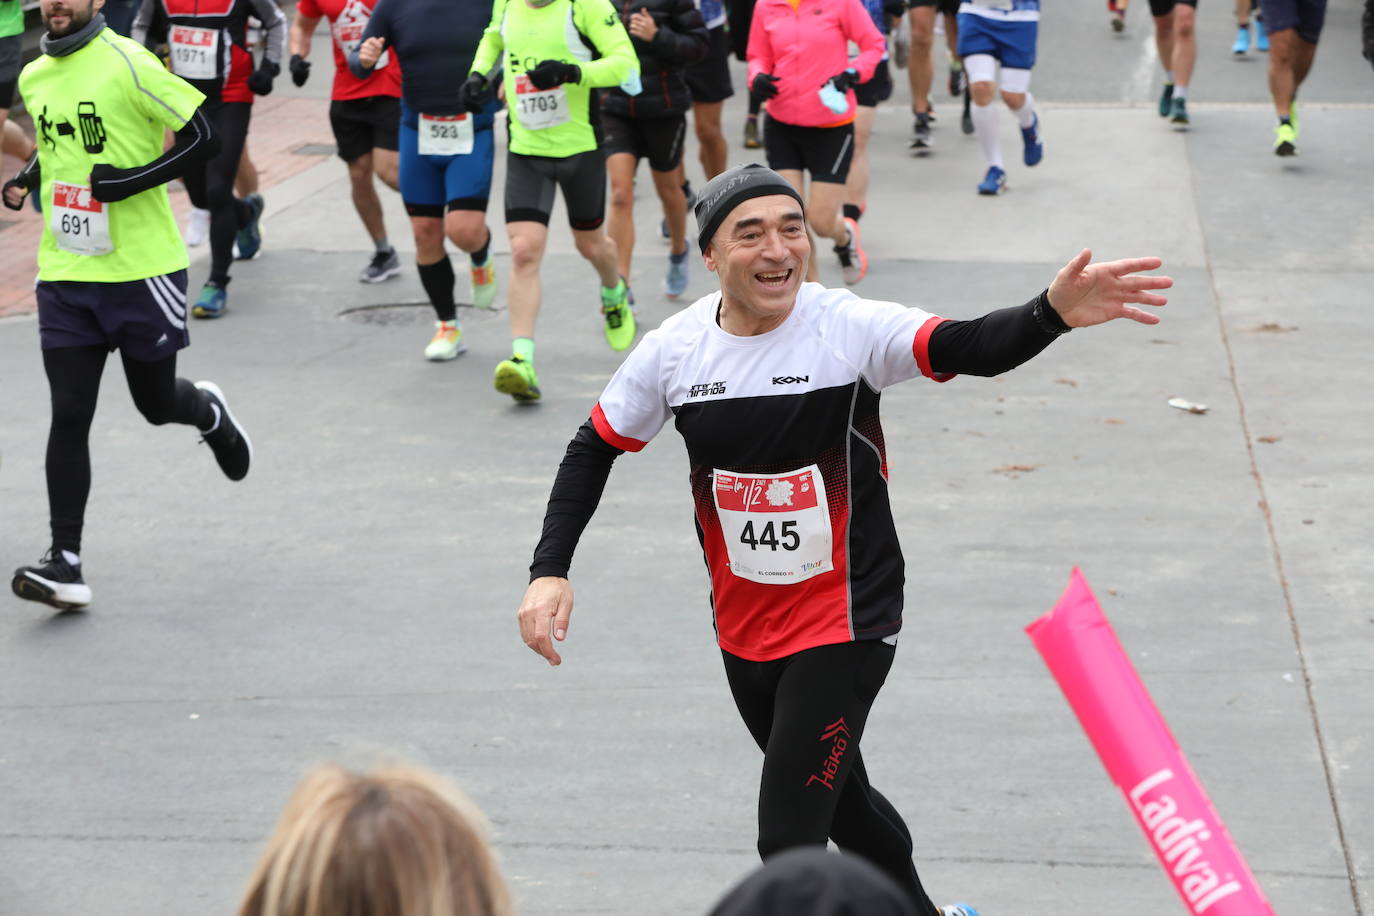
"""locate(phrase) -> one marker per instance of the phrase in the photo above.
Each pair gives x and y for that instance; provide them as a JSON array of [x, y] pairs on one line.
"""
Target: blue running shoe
[[212, 302], [1166, 100], [1180, 112], [993, 182], [1261, 36], [1242, 40], [958, 909], [1030, 136], [675, 283], [249, 238]]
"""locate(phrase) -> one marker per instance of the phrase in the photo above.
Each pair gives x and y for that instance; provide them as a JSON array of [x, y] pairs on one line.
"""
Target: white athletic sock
[[985, 127], [1180, 92], [71, 558], [1169, 77], [1025, 115]]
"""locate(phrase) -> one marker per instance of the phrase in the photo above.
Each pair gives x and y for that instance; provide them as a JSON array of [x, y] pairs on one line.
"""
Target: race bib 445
[[776, 526]]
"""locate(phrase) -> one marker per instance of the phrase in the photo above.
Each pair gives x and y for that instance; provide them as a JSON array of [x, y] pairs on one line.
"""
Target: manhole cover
[[407, 313]]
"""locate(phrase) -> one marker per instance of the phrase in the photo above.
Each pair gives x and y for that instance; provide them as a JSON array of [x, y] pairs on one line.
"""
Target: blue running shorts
[[1012, 43], [432, 184]]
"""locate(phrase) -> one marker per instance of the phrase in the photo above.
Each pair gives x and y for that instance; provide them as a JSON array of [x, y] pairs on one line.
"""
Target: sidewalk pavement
[[354, 598]]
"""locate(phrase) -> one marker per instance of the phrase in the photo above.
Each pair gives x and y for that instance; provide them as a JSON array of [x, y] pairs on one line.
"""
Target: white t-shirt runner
[[788, 463]]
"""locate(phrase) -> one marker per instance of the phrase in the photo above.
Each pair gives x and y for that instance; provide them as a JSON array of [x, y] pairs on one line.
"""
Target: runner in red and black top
[[364, 113], [209, 48], [775, 386]]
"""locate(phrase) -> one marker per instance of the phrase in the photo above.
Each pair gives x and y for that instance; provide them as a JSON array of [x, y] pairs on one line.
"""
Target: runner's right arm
[[25, 181], [378, 26], [601, 23], [303, 25], [143, 22]]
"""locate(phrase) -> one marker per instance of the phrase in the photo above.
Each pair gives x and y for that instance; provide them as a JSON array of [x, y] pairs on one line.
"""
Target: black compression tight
[[211, 187], [807, 713], [74, 381]]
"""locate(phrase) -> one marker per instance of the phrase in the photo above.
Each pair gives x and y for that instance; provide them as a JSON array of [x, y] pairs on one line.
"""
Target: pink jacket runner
[[806, 46]]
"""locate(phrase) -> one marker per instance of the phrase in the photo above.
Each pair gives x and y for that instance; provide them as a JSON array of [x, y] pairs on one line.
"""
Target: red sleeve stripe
[[921, 348], [604, 430]]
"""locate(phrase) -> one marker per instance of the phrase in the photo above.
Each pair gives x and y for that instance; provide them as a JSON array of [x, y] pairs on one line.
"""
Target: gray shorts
[[11, 62], [532, 180]]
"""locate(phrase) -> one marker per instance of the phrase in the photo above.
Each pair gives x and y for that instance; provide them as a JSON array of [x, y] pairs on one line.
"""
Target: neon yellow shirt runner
[[105, 102], [555, 122], [11, 21]]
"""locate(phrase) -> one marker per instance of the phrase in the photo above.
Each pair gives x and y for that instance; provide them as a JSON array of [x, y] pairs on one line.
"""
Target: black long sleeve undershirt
[[995, 343], [195, 144]]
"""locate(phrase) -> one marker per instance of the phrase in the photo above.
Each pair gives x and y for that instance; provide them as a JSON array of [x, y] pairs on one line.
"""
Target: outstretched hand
[[1084, 294], [544, 615]]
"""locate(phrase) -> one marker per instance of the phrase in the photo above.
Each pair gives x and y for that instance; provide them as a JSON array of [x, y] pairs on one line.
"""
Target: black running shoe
[[227, 439], [920, 139], [54, 582]]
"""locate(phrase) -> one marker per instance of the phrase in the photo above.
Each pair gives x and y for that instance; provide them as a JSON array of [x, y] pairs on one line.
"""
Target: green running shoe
[[1293, 118], [516, 377], [620, 317], [1166, 100], [1285, 140]]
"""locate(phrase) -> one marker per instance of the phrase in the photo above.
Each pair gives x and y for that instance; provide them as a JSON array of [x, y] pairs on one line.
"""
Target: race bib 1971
[[194, 51], [539, 109], [79, 223], [776, 526], [445, 135]]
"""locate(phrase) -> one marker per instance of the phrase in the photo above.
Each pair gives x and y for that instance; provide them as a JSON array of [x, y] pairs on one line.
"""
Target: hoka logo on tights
[[837, 733]]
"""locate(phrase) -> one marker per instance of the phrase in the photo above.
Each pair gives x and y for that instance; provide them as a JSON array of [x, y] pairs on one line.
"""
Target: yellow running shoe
[[446, 343], [484, 284], [516, 377], [620, 317], [1285, 140]]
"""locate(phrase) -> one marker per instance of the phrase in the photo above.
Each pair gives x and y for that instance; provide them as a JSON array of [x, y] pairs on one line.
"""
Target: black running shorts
[[1306, 16], [948, 7], [709, 79], [532, 180], [878, 89], [1165, 7], [657, 139], [825, 152], [362, 125]]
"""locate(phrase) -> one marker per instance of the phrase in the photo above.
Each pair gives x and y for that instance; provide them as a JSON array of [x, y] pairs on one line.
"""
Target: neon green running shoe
[[1293, 118], [1285, 140], [516, 377], [618, 311]]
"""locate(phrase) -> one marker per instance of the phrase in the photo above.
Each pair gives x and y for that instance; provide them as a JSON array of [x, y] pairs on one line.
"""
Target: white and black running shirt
[[788, 464]]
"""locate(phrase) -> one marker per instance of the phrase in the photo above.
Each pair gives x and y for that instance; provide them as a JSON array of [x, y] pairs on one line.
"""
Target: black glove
[[15, 183], [260, 80], [764, 87], [105, 186], [552, 73], [845, 81], [895, 8], [300, 70], [472, 94]]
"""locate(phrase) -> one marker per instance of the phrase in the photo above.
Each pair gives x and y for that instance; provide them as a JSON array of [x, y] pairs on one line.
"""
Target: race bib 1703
[[539, 109], [776, 526], [79, 223]]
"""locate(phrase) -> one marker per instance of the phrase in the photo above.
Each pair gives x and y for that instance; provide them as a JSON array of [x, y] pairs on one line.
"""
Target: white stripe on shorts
[[159, 295], [176, 297]]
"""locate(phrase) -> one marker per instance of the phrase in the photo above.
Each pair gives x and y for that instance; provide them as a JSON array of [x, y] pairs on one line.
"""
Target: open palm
[[1085, 294]]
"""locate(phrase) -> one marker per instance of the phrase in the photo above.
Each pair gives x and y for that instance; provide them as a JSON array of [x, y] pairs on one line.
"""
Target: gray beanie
[[731, 188]]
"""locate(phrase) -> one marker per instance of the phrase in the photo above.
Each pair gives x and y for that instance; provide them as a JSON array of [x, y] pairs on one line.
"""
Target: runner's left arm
[[491, 46], [601, 23], [274, 40], [859, 28], [195, 144], [143, 22], [173, 103], [26, 180], [378, 26]]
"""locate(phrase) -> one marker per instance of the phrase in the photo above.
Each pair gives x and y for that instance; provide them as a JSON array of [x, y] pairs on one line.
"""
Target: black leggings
[[807, 713], [74, 380], [212, 187]]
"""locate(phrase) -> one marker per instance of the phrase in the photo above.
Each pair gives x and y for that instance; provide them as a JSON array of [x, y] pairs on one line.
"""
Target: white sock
[[985, 127], [1025, 115], [1169, 77], [1180, 92], [71, 558]]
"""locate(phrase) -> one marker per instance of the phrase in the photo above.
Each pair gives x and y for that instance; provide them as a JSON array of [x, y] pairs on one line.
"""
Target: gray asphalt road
[[354, 598]]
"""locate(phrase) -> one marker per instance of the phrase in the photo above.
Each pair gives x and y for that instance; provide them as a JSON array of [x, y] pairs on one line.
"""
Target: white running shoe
[[447, 342], [484, 284], [197, 228]]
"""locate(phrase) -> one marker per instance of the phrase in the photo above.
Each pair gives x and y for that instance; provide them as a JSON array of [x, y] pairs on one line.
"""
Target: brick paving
[[281, 125]]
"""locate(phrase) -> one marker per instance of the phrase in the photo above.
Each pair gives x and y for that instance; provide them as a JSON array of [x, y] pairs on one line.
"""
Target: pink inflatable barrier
[[1142, 758]]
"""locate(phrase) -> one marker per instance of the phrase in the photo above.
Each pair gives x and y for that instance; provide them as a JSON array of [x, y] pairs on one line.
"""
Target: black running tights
[[74, 380], [211, 187], [807, 713]]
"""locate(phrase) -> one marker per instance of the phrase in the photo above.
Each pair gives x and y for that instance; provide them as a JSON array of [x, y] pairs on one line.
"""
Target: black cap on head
[[731, 188]]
